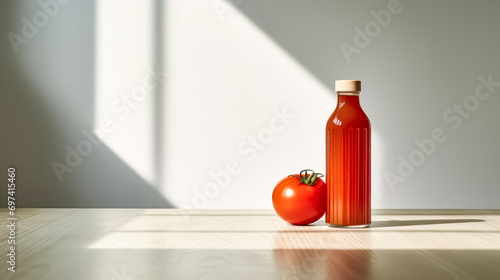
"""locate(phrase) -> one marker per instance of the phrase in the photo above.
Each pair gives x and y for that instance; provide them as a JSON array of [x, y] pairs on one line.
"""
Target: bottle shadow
[[399, 223]]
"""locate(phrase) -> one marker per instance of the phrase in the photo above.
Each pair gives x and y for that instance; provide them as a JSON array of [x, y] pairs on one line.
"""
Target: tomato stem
[[306, 178]]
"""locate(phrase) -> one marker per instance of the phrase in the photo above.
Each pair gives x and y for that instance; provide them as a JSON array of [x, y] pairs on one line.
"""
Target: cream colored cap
[[347, 86]]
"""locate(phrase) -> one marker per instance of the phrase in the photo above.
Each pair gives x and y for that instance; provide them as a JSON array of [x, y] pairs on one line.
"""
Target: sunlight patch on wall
[[126, 81], [228, 79]]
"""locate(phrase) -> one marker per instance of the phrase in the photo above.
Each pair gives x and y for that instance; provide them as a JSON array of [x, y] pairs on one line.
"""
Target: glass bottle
[[348, 160]]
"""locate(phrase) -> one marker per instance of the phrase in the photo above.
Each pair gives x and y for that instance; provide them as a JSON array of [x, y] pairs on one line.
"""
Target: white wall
[[231, 67], [53, 90], [230, 72]]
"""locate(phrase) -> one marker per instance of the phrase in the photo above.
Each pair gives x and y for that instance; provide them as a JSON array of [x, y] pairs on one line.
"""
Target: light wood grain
[[252, 244]]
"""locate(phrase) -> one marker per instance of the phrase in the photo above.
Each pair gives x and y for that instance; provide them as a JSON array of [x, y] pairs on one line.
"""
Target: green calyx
[[306, 178]]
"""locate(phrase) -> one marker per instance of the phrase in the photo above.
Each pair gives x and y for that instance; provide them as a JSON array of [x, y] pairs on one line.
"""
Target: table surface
[[126, 244]]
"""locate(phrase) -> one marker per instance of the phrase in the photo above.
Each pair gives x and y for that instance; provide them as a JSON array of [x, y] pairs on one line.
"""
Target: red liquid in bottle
[[348, 174]]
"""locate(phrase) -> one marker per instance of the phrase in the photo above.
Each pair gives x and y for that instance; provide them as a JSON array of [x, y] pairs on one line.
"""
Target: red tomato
[[300, 199]]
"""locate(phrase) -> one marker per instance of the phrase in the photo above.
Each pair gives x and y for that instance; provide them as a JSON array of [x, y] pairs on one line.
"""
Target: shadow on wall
[[392, 59], [47, 99]]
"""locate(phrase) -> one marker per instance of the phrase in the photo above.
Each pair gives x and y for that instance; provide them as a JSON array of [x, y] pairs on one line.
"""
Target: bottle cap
[[347, 86]]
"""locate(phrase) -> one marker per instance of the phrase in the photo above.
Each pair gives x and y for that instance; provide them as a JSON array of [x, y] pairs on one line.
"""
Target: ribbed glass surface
[[348, 175]]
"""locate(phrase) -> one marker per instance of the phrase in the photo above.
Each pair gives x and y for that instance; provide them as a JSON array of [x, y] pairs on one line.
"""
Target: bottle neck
[[348, 98]]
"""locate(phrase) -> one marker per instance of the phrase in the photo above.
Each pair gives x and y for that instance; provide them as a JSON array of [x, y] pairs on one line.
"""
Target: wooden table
[[126, 244]]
